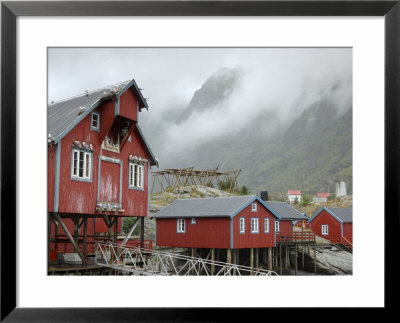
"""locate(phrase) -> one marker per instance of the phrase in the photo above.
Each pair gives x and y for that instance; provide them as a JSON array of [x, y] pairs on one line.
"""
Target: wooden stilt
[[286, 257], [115, 230], [64, 227], [257, 250], [192, 271], [85, 236], [251, 261], [229, 257], [142, 232], [270, 258], [280, 258], [302, 256]]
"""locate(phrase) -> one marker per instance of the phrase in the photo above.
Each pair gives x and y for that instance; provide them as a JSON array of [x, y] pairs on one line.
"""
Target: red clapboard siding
[[348, 231], [81, 197], [285, 226], [128, 105], [216, 232], [206, 233], [334, 229], [254, 240]]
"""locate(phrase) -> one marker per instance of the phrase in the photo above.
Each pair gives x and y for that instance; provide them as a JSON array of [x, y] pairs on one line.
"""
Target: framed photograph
[[297, 93]]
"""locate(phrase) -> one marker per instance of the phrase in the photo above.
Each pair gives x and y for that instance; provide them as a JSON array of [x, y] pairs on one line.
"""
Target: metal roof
[[65, 113], [344, 214], [285, 211], [205, 207]]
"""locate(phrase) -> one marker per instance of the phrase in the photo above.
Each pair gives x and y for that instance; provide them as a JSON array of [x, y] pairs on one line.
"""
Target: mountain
[[213, 92], [309, 151]]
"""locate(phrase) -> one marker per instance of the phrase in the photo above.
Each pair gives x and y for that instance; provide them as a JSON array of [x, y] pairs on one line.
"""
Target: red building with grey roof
[[98, 165], [223, 223], [334, 224]]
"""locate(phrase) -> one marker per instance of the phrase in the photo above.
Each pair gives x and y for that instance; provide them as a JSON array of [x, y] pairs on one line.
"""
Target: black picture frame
[[10, 10]]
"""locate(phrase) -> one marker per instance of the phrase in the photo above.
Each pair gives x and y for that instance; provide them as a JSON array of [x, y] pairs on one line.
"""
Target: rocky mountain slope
[[308, 150]]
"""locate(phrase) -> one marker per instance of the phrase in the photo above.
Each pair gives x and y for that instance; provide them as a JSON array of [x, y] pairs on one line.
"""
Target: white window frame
[[254, 225], [98, 121], [136, 175], [81, 160], [180, 226], [242, 225], [253, 207], [323, 231], [266, 225], [277, 226]]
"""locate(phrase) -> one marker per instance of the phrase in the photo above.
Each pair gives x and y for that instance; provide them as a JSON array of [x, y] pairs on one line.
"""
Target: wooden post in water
[[280, 258], [212, 262], [302, 255]]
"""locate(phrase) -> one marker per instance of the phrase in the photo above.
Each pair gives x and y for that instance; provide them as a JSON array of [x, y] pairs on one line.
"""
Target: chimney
[[264, 195]]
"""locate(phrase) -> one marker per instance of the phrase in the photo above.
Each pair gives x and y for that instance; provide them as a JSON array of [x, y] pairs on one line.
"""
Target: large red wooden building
[[223, 223], [98, 166], [334, 224]]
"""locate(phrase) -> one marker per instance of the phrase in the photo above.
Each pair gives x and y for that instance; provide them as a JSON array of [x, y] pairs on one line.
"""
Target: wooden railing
[[296, 236]]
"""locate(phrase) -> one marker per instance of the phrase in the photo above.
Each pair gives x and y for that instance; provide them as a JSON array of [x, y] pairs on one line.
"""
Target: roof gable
[[294, 192], [343, 215], [64, 115]]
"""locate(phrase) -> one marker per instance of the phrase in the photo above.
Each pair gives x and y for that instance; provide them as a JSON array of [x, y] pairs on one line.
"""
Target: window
[[324, 229], [95, 121], [136, 175], [241, 225], [193, 221], [276, 226], [253, 207], [254, 225], [266, 225], [180, 226], [81, 165]]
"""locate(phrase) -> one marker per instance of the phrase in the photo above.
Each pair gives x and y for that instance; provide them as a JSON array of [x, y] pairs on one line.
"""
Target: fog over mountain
[[282, 115]]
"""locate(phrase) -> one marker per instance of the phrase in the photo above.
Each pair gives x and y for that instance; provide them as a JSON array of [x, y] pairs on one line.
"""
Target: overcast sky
[[285, 80]]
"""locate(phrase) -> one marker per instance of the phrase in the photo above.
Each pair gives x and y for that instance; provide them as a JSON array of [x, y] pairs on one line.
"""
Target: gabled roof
[[286, 211], [343, 215], [294, 192], [209, 207], [323, 194], [64, 115]]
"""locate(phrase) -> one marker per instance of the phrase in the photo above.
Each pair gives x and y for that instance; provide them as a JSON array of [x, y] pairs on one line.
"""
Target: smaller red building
[[223, 223], [334, 224]]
